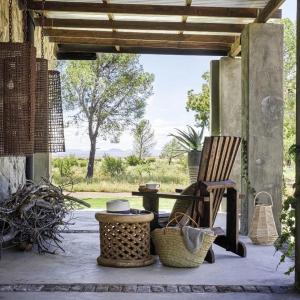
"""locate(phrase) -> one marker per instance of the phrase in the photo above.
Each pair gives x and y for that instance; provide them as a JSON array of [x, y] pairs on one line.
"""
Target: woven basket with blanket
[[182, 246]]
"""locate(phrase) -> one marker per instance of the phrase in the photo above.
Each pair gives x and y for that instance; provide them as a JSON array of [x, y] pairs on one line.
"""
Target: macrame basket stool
[[170, 246], [125, 239], [263, 229]]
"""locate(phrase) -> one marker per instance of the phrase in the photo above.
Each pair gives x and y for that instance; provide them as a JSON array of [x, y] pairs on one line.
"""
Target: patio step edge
[[146, 288]]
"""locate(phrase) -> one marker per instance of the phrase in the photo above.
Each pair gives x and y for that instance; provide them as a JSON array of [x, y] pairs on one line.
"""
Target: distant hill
[[100, 153]]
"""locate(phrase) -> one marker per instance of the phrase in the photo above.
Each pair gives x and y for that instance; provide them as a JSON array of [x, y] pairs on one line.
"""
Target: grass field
[[156, 170]]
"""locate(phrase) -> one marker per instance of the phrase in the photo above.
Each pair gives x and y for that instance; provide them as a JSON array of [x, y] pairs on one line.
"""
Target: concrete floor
[[78, 265]]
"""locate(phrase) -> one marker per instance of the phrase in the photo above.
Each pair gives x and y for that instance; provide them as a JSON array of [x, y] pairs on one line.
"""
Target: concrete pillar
[[230, 107], [41, 166], [214, 98], [262, 110]]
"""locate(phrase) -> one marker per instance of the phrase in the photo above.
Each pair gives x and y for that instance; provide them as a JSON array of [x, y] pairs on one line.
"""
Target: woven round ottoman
[[124, 239]]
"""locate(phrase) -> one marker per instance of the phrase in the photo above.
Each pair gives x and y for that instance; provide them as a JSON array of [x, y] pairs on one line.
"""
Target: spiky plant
[[189, 139]]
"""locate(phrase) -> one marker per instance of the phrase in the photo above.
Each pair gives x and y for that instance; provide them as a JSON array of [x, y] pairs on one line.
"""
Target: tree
[[200, 102], [171, 150], [143, 139], [108, 95], [289, 83]]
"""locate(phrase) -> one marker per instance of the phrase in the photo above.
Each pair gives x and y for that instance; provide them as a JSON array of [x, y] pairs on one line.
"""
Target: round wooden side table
[[125, 239]]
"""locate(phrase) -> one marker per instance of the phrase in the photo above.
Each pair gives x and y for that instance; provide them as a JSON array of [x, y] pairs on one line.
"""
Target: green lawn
[[135, 202]]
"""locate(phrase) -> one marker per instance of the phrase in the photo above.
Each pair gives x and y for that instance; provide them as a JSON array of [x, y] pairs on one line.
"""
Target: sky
[[174, 76]]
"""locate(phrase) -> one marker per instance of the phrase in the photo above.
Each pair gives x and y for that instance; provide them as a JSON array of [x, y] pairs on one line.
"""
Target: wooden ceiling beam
[[266, 13], [76, 56], [148, 9], [81, 49], [139, 36], [138, 43], [140, 25]]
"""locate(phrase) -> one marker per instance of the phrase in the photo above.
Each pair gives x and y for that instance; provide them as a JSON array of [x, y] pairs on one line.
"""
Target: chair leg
[[232, 221], [230, 241]]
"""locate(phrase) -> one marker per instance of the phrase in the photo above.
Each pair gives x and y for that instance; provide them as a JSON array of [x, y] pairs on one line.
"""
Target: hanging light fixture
[[41, 132], [17, 94], [56, 124]]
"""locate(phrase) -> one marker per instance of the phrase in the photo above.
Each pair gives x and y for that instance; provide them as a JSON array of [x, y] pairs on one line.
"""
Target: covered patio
[[76, 271], [246, 100]]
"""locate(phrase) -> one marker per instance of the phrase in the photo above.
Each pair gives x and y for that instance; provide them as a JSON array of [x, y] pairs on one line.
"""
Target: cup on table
[[152, 186]]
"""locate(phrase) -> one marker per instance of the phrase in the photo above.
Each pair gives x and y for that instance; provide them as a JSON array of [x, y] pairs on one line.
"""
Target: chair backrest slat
[[223, 158], [233, 156], [204, 158]]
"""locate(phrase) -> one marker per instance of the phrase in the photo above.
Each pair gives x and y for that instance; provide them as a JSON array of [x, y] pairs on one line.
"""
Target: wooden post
[[297, 191], [29, 172]]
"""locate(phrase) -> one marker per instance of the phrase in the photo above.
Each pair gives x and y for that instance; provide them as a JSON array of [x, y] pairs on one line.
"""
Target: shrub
[[83, 163], [133, 160], [65, 165], [113, 166], [143, 170], [151, 160]]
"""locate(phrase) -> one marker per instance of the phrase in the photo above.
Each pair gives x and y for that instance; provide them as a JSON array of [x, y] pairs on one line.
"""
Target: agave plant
[[189, 139]]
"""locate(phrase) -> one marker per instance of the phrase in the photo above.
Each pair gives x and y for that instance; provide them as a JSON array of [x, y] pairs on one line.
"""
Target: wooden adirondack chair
[[202, 199]]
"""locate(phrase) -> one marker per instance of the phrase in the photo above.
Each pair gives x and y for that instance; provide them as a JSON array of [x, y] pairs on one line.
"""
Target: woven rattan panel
[[17, 98], [41, 133], [125, 241], [56, 124]]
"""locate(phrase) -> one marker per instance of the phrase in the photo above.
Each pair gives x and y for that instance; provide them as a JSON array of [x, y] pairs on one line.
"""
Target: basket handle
[[263, 192], [178, 214]]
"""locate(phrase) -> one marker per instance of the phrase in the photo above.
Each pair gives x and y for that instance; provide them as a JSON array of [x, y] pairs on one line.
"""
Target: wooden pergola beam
[[138, 43], [263, 16], [141, 25], [266, 13], [76, 56], [77, 48], [235, 48], [148, 9], [139, 36]]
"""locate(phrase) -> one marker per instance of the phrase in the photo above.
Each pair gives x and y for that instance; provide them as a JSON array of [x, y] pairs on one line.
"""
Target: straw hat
[[118, 206]]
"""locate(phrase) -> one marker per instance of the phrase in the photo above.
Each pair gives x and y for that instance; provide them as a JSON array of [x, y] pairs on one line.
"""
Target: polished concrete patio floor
[[77, 265]]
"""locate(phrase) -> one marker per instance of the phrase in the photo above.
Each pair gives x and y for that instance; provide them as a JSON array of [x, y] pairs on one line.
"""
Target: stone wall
[[12, 169], [17, 22]]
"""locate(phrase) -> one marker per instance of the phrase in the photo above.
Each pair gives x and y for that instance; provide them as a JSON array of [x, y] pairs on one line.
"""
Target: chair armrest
[[167, 195], [214, 185]]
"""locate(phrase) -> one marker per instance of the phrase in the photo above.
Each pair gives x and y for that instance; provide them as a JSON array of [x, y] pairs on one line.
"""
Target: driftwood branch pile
[[37, 214]]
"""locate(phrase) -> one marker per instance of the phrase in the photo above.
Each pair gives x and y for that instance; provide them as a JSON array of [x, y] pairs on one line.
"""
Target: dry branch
[[37, 214]]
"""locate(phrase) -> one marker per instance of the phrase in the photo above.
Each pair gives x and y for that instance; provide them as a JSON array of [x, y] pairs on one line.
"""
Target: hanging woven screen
[[56, 124], [41, 107], [17, 98]]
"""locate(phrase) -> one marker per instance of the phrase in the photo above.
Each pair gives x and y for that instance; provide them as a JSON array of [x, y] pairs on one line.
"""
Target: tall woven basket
[[170, 246], [263, 229]]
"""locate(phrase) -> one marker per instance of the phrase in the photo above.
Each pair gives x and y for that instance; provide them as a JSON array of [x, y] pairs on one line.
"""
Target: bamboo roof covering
[[196, 27]]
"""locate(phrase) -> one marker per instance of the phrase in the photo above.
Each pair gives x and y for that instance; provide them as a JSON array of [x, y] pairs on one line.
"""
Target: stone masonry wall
[[12, 169]]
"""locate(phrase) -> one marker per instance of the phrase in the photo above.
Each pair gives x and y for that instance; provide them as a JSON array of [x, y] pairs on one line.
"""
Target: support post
[[230, 107], [297, 191], [214, 98], [262, 110], [29, 168]]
